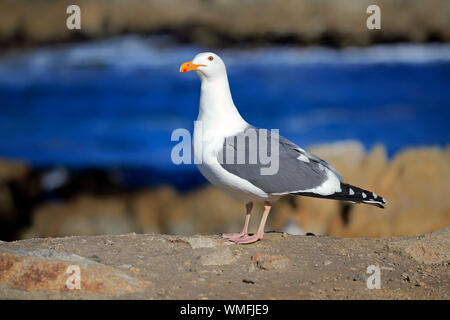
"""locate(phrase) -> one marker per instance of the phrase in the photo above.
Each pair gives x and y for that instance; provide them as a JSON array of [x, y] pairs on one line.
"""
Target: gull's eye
[[210, 58]]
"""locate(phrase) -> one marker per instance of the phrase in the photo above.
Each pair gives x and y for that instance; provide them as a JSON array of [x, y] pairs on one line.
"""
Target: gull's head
[[207, 65]]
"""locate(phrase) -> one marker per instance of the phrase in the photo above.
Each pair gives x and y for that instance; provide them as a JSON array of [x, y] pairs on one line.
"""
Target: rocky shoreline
[[227, 23], [90, 202]]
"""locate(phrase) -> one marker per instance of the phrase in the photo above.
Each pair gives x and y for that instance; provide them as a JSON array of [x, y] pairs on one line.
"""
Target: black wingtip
[[375, 204]]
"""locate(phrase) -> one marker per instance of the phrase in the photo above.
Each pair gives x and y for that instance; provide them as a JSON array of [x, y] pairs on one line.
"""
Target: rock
[[413, 208], [207, 210], [7, 207], [373, 167], [220, 23], [151, 266], [358, 277], [217, 257], [12, 170], [405, 277], [415, 185], [84, 215], [151, 208], [48, 270], [197, 242], [346, 157], [13, 181], [429, 249], [270, 262]]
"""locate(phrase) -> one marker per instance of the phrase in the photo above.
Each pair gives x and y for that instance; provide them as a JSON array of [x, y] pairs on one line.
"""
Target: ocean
[[113, 104]]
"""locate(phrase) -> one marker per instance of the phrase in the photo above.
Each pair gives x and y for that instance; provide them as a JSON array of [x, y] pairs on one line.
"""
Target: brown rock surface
[[215, 23], [151, 208], [84, 215], [280, 266], [270, 262], [12, 170], [429, 250], [48, 270], [415, 182], [206, 210]]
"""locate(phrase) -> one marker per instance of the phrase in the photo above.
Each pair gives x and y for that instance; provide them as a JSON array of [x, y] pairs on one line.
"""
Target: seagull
[[218, 130]]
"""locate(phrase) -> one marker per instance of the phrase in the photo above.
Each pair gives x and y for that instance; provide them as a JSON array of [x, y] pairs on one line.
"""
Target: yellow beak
[[189, 66]]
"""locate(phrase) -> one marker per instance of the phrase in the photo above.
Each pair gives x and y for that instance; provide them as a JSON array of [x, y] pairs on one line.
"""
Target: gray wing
[[246, 156]]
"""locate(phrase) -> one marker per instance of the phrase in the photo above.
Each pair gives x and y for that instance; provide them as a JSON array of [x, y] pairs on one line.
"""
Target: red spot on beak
[[184, 70]]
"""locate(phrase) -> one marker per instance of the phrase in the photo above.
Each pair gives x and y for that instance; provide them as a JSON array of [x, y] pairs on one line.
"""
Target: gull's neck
[[217, 110]]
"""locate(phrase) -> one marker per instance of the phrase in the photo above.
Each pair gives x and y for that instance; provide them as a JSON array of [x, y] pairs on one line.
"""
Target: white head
[[207, 65], [217, 110]]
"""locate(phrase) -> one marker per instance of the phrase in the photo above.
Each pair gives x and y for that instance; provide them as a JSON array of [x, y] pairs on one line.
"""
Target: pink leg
[[259, 235], [231, 236]]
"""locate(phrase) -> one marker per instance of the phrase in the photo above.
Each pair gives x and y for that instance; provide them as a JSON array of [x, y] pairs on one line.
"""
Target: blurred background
[[86, 115]]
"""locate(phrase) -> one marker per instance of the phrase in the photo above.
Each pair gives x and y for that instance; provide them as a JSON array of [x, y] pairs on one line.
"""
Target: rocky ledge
[[221, 23], [281, 266]]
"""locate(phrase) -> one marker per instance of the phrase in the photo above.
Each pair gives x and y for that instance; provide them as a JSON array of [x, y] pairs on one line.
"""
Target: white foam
[[378, 54], [160, 51]]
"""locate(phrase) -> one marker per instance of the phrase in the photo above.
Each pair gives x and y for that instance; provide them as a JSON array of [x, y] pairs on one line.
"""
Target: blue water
[[115, 103]]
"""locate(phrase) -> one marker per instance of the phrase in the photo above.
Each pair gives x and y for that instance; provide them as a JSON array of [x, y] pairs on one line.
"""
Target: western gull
[[225, 158]]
